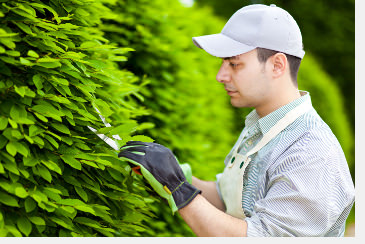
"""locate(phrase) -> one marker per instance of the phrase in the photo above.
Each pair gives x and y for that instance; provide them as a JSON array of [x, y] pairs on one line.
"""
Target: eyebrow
[[233, 57]]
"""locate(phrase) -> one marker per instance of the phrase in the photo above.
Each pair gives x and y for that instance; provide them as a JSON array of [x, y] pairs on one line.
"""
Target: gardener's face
[[245, 80]]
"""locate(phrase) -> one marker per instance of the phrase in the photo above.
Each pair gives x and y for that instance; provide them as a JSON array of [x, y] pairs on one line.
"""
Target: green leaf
[[41, 117], [88, 222], [85, 208], [38, 196], [62, 221], [70, 202], [24, 27], [24, 172], [11, 148], [50, 192], [124, 129], [15, 112], [46, 109], [24, 91], [21, 149], [142, 138], [1, 221], [12, 167], [8, 200], [29, 205], [30, 161], [92, 164], [82, 146], [37, 220], [66, 211], [25, 61], [52, 166], [38, 81], [35, 130], [60, 81], [21, 192], [52, 141], [105, 130], [13, 230], [13, 53], [3, 123], [61, 127], [71, 180], [49, 65], [33, 54], [13, 123], [54, 135], [81, 193], [20, 90], [30, 140], [43, 171], [103, 162], [48, 206], [71, 161], [24, 225], [58, 99]]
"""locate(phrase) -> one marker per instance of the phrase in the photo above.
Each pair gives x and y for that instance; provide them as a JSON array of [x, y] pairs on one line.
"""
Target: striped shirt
[[299, 184]]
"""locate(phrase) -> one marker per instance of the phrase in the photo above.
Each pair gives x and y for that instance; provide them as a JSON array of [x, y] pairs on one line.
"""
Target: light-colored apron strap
[[289, 118]]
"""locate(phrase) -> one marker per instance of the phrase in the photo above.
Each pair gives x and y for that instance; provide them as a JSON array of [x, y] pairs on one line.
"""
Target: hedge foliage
[[190, 111], [57, 178], [135, 62]]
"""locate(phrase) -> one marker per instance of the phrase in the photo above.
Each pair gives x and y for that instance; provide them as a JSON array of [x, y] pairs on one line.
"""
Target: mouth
[[231, 92]]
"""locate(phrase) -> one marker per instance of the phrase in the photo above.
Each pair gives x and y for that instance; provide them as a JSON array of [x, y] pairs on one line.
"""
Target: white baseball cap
[[253, 26]]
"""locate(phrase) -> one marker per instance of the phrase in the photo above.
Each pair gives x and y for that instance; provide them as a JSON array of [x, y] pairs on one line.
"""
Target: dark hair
[[294, 62]]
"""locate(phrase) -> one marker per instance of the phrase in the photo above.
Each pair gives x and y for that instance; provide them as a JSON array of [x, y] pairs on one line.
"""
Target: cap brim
[[221, 46]]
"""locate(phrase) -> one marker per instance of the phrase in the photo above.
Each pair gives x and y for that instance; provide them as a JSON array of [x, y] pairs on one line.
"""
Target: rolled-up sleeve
[[307, 195]]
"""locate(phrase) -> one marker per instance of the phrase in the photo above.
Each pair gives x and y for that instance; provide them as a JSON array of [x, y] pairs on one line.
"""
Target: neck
[[276, 101]]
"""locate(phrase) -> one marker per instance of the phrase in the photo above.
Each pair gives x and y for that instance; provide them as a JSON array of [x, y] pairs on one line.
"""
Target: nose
[[223, 75]]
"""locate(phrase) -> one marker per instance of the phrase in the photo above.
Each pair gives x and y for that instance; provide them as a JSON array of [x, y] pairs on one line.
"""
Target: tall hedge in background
[[57, 178], [190, 110]]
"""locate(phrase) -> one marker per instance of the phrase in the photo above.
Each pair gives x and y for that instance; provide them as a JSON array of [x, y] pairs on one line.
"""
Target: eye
[[234, 65]]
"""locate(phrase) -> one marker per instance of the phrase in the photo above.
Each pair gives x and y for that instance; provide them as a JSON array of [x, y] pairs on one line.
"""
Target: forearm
[[206, 220], [209, 192]]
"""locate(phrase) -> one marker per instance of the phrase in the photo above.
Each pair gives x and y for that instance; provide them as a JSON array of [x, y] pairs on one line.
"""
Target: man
[[287, 174]]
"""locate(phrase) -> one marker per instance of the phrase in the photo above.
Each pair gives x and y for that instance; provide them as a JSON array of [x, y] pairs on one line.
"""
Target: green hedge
[[190, 110], [57, 178]]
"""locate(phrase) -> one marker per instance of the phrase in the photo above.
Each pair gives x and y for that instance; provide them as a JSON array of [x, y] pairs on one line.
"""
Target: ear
[[279, 64]]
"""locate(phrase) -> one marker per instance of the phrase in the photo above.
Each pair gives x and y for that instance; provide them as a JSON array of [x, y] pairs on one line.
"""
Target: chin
[[237, 103]]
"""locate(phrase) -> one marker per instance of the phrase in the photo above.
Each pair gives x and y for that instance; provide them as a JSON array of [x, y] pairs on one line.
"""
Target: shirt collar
[[265, 123]]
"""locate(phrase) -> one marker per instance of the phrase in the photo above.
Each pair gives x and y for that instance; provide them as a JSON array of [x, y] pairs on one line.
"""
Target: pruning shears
[[110, 141]]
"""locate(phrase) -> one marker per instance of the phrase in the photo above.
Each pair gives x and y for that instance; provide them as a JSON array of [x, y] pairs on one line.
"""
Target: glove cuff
[[187, 172], [184, 194]]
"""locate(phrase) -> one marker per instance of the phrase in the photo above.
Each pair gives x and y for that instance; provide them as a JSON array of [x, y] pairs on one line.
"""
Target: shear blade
[[109, 141]]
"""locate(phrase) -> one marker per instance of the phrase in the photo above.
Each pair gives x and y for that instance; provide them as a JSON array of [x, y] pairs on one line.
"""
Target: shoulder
[[308, 139]]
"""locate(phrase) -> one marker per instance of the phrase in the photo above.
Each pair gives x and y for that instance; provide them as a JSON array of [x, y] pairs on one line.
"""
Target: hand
[[160, 168]]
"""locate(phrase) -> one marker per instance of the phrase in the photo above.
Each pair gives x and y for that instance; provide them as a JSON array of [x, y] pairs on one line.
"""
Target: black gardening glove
[[162, 171]]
